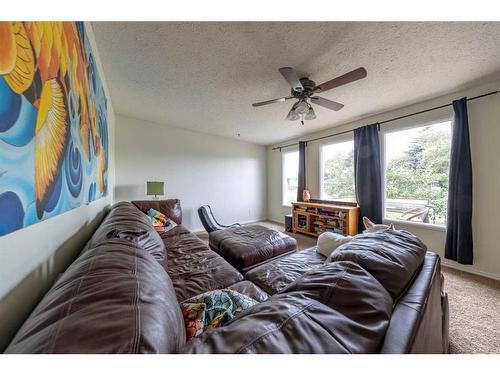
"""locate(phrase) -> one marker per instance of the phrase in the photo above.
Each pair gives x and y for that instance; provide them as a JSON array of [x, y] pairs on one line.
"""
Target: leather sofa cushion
[[336, 308], [249, 289], [193, 267], [169, 207], [250, 244], [277, 274], [392, 256], [125, 221], [115, 298], [179, 240]]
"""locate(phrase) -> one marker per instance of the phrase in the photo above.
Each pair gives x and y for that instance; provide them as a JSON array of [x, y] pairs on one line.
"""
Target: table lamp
[[154, 188]]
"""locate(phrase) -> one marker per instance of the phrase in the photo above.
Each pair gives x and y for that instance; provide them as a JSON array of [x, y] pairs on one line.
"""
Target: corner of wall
[[111, 113]]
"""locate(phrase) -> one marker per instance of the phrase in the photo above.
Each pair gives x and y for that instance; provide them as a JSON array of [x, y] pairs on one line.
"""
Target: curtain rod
[[383, 122]]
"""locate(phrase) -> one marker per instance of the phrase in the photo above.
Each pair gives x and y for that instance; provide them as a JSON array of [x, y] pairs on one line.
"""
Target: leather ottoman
[[251, 245]]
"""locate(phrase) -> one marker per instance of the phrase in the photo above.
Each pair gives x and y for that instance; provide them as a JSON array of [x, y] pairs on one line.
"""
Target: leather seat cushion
[[336, 308], [193, 267], [277, 274], [250, 289], [393, 257], [250, 244]]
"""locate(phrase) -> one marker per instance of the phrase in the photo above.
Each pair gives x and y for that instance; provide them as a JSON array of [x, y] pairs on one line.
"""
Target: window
[[337, 171], [416, 173], [290, 165]]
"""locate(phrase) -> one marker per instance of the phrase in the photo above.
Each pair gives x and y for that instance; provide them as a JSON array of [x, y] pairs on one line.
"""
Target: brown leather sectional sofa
[[383, 294]]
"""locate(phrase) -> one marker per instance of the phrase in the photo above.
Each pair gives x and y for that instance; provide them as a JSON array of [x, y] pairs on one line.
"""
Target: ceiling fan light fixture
[[301, 107], [292, 115], [310, 115]]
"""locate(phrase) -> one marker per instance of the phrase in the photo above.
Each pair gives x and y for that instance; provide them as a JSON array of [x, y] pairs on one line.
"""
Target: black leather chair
[[209, 221]]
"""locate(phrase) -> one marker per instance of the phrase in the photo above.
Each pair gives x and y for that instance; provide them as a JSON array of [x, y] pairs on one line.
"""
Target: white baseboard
[[201, 230], [468, 269], [252, 221], [276, 221]]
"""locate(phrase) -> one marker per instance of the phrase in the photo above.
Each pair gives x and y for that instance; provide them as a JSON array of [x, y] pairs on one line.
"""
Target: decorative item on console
[[306, 196]]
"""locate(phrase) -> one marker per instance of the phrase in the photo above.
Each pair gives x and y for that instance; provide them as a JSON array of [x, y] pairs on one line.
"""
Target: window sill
[[434, 227]]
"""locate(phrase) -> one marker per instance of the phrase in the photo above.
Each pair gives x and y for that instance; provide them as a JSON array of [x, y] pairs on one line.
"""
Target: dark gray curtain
[[367, 173], [459, 245], [302, 170]]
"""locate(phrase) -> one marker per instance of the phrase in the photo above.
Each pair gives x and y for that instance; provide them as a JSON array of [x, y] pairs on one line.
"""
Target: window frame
[[392, 128], [283, 194], [340, 139]]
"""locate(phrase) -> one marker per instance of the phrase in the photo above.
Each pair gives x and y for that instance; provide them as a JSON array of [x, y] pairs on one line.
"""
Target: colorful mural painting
[[53, 122]]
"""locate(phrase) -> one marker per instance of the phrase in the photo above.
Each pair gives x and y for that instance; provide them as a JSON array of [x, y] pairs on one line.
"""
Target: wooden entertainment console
[[316, 218]]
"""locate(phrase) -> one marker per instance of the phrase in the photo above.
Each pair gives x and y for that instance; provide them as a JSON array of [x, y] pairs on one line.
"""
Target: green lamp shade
[[154, 188]]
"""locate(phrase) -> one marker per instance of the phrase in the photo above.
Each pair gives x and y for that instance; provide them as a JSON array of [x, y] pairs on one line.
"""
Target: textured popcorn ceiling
[[205, 76]]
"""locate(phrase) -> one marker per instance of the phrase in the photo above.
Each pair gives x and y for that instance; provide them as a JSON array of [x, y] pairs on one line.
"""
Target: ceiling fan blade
[[292, 78], [342, 80], [330, 104], [272, 101]]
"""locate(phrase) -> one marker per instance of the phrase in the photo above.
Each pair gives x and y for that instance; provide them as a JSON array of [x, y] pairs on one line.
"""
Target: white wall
[[197, 168], [31, 258], [484, 122]]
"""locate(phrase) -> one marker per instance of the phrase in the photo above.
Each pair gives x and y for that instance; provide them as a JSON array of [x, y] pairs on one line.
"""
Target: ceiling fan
[[305, 90]]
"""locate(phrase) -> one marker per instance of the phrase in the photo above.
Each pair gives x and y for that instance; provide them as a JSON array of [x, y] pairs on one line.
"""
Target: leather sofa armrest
[[169, 207], [446, 322]]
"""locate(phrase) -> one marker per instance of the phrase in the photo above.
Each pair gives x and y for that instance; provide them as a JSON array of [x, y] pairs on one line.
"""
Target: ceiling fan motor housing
[[308, 86]]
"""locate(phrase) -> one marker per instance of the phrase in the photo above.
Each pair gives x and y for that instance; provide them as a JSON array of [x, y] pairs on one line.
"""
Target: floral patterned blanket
[[213, 309]]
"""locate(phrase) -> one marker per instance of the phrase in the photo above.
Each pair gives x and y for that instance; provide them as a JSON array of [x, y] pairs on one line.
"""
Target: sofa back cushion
[[393, 257], [336, 308], [169, 207], [115, 298], [125, 221]]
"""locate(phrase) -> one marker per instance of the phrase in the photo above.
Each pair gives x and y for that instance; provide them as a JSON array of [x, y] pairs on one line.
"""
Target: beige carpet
[[474, 304], [474, 312]]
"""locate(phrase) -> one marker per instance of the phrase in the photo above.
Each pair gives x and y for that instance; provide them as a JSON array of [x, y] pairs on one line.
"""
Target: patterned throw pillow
[[213, 309], [157, 218], [170, 224]]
